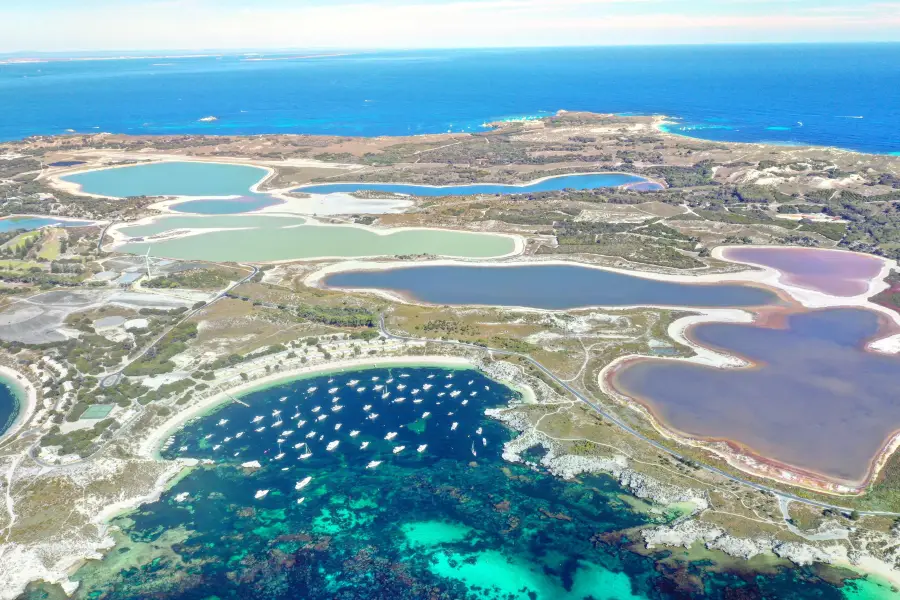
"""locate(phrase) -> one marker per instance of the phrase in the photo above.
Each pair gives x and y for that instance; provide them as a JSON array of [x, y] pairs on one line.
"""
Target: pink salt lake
[[833, 272]]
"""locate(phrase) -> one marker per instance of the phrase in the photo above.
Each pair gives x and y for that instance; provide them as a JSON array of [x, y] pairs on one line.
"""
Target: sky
[[145, 25]]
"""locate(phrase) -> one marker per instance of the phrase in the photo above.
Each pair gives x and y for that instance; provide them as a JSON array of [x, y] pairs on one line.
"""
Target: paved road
[[114, 378], [627, 428], [103, 235]]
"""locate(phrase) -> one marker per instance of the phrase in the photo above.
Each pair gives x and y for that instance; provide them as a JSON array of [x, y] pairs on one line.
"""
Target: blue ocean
[[835, 95]]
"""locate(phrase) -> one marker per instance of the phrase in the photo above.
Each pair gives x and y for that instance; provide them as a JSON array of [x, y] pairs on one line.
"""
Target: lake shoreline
[[120, 239], [642, 178]]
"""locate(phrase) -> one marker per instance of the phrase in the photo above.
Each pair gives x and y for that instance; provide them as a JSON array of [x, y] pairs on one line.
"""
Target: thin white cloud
[[201, 24]]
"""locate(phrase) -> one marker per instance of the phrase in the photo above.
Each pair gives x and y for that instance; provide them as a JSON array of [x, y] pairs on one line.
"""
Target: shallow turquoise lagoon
[[170, 179], [552, 184], [442, 516]]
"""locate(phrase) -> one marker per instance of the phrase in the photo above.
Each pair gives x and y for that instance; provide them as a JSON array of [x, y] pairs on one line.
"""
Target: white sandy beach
[[150, 445], [26, 394]]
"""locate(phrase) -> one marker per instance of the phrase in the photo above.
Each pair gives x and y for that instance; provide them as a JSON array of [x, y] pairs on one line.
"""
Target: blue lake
[[553, 184], [554, 287], [29, 223], [170, 179], [724, 92]]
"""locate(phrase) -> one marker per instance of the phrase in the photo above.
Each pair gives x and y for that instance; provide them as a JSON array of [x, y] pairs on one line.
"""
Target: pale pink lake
[[833, 272]]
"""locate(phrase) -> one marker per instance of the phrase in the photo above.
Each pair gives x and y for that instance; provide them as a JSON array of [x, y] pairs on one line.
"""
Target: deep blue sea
[[837, 95], [9, 406]]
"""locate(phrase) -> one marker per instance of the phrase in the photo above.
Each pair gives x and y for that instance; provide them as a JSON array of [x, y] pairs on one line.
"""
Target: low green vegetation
[[338, 316], [197, 279], [82, 441], [236, 359], [156, 361]]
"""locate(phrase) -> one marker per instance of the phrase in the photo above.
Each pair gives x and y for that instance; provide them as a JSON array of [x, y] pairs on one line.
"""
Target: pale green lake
[[170, 179], [260, 238]]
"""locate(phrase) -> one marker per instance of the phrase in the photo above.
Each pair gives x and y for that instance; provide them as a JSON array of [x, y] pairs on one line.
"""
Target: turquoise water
[[9, 405], [225, 207], [545, 286], [29, 223], [453, 521], [170, 179], [553, 184]]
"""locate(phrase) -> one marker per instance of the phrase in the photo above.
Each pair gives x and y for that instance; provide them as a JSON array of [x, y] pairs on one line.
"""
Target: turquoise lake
[[553, 287], [229, 206], [445, 517], [170, 179], [552, 184]]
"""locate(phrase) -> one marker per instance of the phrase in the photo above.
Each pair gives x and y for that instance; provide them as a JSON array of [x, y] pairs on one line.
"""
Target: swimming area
[[9, 404]]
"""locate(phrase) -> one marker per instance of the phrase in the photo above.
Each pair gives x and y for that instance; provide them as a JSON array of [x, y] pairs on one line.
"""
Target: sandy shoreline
[[468, 185], [149, 447], [56, 179], [120, 238], [289, 204], [754, 275], [26, 397], [745, 459]]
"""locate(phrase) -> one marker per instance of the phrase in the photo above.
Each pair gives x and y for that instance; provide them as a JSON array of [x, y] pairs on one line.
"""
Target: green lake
[[260, 238], [170, 179]]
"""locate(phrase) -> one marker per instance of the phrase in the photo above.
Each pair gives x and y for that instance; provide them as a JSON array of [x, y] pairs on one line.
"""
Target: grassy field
[[19, 265], [51, 245]]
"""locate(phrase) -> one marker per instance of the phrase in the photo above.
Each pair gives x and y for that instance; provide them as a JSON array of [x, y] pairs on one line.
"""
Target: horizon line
[[202, 52]]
